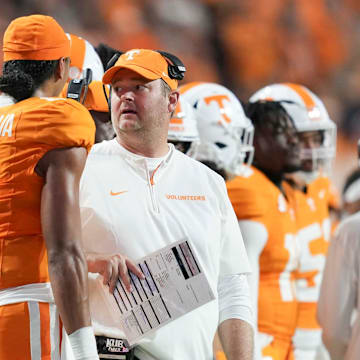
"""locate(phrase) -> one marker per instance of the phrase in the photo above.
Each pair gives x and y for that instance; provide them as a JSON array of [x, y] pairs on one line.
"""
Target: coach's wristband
[[83, 344]]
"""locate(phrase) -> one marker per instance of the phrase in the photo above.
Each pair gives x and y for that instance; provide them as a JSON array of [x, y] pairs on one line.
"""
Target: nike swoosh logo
[[117, 193]]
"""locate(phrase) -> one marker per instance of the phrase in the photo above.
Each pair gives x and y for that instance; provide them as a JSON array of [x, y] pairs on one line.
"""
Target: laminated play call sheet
[[174, 284]]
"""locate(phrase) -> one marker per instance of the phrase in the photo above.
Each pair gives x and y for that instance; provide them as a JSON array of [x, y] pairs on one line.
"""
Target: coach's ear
[[173, 100]]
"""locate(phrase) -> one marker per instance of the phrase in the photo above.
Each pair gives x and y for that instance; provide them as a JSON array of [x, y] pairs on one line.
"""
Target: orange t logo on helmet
[[219, 100]]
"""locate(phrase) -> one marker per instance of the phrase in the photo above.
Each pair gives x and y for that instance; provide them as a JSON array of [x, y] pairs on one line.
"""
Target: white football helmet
[[83, 56], [182, 126], [226, 134], [309, 114]]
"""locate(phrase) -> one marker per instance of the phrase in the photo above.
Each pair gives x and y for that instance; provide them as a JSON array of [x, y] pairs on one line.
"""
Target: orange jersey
[[29, 129], [255, 198], [312, 217]]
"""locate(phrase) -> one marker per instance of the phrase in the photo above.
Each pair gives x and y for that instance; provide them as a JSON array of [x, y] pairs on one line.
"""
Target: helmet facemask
[[183, 131], [317, 159], [232, 150]]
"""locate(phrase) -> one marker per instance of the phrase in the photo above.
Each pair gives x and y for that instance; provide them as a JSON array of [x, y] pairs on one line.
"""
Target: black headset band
[[113, 60], [109, 65], [176, 68]]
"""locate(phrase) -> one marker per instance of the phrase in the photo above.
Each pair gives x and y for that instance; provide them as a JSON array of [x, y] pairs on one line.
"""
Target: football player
[[268, 225], [309, 190], [44, 145]]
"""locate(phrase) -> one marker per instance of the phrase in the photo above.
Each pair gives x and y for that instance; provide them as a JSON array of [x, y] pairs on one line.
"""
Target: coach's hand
[[112, 267]]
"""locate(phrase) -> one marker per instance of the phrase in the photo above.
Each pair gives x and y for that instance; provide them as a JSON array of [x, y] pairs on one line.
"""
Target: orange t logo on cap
[[130, 54], [219, 100]]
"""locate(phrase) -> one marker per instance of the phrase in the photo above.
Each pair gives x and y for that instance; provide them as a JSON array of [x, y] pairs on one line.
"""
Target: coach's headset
[[176, 69]]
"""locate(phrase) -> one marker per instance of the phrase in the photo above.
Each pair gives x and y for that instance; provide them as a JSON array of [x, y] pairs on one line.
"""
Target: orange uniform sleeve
[[248, 201]]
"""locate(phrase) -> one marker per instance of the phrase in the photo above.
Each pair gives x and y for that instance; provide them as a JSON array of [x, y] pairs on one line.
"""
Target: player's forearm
[[68, 274], [237, 339]]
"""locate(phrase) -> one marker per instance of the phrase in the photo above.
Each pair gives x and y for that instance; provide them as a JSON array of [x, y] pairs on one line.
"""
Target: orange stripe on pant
[[44, 330], [15, 332], [28, 331]]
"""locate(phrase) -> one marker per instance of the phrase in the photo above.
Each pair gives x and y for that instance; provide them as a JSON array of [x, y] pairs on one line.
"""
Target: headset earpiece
[[176, 68]]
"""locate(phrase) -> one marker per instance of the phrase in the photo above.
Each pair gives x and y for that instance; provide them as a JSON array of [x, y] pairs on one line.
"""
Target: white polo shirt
[[126, 209]]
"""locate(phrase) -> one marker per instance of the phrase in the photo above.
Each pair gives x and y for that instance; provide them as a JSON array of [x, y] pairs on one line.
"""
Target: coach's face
[[139, 104]]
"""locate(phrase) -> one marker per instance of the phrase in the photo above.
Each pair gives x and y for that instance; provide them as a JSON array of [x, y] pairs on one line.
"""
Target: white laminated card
[[174, 285]]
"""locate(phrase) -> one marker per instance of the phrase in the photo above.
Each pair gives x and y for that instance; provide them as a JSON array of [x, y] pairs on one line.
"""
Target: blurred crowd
[[242, 44]]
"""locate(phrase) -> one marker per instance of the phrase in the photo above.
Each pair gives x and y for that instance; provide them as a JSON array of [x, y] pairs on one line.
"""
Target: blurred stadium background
[[242, 44]]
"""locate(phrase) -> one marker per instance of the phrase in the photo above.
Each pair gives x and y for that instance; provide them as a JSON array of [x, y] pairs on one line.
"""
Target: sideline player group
[[262, 238]]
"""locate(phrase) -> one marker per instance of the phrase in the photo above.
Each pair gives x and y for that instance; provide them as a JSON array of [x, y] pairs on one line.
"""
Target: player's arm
[[338, 291], [60, 217]]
